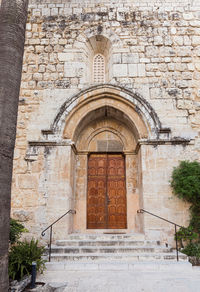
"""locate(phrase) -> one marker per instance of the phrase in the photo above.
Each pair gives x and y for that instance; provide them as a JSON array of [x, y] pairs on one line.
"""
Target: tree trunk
[[13, 15]]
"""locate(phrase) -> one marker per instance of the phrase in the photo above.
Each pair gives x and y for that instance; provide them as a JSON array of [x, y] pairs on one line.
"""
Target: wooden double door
[[106, 197]]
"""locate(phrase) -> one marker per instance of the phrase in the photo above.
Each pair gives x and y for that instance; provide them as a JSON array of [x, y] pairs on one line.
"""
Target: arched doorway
[[107, 165], [105, 120], [105, 145]]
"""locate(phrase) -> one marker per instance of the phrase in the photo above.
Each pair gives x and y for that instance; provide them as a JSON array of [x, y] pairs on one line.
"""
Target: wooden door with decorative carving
[[106, 199]]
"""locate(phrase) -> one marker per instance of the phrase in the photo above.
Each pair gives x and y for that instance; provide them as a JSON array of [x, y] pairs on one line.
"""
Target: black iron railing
[[51, 229], [175, 227]]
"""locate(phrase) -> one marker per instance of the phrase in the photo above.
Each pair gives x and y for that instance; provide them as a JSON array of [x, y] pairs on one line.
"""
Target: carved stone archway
[[106, 118], [141, 113], [96, 120]]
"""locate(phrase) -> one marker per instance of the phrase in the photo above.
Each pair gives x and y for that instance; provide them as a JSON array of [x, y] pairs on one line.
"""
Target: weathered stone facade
[[150, 103]]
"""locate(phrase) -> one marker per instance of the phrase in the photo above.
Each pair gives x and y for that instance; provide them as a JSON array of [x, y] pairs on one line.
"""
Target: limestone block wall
[[157, 166], [155, 50], [152, 47], [42, 191]]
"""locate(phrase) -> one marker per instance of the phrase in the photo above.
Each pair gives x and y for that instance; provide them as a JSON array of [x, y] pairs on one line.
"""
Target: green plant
[[186, 235], [186, 181], [186, 185], [192, 249], [195, 217], [21, 257], [16, 229]]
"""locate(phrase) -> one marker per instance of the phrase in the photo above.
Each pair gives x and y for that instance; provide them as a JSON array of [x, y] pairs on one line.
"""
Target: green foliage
[[186, 234], [186, 181], [192, 249], [186, 185], [21, 257], [195, 218], [16, 229]]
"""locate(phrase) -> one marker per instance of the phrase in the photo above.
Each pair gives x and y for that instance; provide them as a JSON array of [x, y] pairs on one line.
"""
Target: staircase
[[118, 263], [111, 247]]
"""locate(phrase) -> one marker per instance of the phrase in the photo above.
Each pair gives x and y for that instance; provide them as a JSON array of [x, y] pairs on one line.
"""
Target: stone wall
[[153, 48], [155, 51]]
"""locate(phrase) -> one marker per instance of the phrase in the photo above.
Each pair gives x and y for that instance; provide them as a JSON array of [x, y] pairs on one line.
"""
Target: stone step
[[106, 236], [170, 266], [115, 256], [109, 249], [103, 242]]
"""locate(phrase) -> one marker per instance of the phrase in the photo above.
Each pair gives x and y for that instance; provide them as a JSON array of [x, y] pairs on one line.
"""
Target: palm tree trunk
[[13, 15]]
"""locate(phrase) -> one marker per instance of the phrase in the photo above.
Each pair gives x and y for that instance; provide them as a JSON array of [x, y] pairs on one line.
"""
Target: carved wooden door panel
[[106, 199], [116, 191], [96, 199]]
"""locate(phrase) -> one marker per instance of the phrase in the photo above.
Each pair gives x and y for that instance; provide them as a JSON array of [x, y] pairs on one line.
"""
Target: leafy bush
[[21, 257], [195, 217], [16, 229], [186, 181], [192, 249], [186, 185], [186, 235]]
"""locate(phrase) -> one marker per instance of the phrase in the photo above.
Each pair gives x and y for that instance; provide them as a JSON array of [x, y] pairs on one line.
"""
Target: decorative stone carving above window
[[99, 69]]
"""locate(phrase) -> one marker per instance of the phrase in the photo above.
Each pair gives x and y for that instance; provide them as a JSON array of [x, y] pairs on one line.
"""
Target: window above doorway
[[99, 69]]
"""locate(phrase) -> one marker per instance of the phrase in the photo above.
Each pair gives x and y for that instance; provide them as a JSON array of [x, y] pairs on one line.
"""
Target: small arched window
[[99, 69]]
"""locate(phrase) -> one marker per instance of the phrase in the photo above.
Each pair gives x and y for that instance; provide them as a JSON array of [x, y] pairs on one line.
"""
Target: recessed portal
[[105, 131], [106, 198]]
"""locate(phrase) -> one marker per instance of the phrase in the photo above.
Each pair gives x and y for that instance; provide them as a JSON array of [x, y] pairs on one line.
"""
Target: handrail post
[[50, 243], [176, 243]]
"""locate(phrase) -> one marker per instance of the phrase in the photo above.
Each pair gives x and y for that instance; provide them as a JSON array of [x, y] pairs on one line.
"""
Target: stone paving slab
[[127, 281]]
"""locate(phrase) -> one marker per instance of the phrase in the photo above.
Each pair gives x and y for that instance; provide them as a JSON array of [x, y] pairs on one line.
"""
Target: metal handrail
[[141, 211], [51, 229]]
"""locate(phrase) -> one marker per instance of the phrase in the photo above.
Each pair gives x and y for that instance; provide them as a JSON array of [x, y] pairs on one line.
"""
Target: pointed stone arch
[[134, 107]]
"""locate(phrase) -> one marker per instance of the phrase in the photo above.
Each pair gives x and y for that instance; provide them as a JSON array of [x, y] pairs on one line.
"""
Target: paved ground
[[126, 280]]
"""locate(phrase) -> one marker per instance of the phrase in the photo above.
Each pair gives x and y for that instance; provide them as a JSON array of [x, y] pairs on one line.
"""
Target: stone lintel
[[157, 142], [51, 143], [32, 152], [125, 152]]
